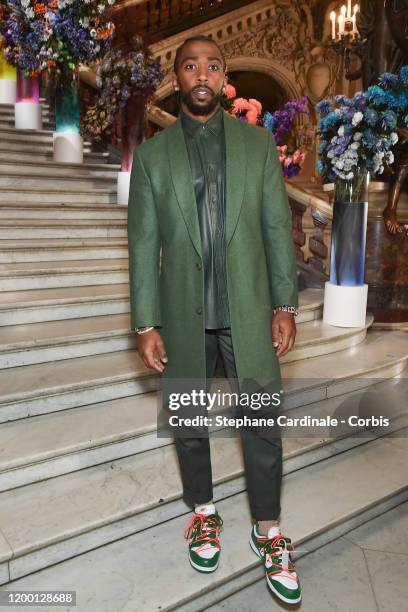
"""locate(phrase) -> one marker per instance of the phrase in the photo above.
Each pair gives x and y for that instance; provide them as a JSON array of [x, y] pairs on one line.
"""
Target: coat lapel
[[183, 181], [236, 163]]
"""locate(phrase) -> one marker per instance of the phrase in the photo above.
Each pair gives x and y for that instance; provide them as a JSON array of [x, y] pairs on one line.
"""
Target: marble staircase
[[85, 482]]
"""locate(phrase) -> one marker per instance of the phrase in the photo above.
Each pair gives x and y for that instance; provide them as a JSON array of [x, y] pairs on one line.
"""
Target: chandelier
[[345, 37], [346, 23]]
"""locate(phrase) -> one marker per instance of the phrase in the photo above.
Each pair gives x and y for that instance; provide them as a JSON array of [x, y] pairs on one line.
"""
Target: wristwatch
[[291, 309], [143, 330]]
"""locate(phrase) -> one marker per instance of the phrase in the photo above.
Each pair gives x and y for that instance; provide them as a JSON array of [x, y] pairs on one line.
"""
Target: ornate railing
[[167, 17]]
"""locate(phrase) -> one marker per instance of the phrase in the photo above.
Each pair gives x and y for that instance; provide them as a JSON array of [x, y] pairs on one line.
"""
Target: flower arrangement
[[280, 123], [25, 27], [359, 133], [56, 35], [121, 76]]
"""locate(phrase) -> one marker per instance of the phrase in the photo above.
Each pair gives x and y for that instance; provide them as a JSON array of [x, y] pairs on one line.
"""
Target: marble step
[[33, 136], [83, 381], [59, 340], [51, 170], [84, 510], [7, 123], [53, 193], [49, 445], [43, 275], [124, 575], [59, 228], [62, 303], [52, 212], [56, 180], [28, 153], [22, 250], [30, 149]]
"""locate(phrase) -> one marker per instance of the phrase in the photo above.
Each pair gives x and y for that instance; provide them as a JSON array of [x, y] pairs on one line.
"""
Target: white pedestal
[[28, 116], [123, 188], [345, 306], [8, 91], [68, 148]]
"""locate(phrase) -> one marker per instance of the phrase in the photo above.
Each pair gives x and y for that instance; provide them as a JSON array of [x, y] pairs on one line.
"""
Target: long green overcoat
[[261, 267]]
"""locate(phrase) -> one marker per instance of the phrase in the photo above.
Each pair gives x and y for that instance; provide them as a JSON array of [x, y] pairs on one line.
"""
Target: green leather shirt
[[205, 144]]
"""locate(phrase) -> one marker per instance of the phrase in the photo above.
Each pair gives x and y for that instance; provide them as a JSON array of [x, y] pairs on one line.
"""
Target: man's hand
[[283, 332], [151, 349]]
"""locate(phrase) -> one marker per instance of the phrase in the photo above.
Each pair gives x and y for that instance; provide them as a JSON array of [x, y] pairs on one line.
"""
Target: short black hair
[[198, 37]]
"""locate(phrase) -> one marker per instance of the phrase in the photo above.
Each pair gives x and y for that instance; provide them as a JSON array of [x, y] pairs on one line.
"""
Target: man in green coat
[[212, 271]]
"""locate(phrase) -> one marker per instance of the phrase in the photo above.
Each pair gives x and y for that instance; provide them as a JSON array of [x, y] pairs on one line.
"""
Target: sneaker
[[203, 534], [274, 550]]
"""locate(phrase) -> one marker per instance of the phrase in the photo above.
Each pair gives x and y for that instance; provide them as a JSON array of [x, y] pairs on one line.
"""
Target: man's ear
[[174, 81]]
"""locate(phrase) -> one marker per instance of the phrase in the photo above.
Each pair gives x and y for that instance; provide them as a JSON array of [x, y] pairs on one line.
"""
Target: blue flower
[[359, 100], [401, 100], [324, 107], [369, 139], [340, 99], [404, 75], [406, 120], [376, 95], [389, 119], [388, 80], [269, 121], [322, 146], [329, 121], [371, 116], [321, 166]]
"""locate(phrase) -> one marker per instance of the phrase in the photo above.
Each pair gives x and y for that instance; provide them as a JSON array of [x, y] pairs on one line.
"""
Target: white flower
[[339, 164], [354, 145], [357, 117], [394, 138], [358, 136], [389, 157], [101, 8], [340, 131], [350, 175]]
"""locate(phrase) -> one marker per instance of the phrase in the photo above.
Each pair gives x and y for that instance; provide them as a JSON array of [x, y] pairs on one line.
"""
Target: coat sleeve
[[277, 232], [144, 249]]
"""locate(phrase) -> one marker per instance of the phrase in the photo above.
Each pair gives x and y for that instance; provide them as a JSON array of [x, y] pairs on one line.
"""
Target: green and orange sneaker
[[203, 535], [275, 552]]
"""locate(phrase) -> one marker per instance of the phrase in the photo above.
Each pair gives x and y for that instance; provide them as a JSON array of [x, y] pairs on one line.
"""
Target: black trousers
[[262, 452]]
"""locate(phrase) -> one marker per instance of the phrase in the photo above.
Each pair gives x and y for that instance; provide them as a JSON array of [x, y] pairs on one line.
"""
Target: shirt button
[[199, 310], [198, 265]]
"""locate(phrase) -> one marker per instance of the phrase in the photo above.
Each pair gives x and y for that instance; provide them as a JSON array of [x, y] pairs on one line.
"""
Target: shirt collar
[[193, 127]]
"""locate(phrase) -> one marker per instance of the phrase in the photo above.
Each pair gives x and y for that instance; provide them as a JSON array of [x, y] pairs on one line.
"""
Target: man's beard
[[200, 109]]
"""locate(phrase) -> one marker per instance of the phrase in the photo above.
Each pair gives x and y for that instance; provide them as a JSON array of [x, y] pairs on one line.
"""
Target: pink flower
[[230, 91], [256, 104], [240, 104], [252, 117]]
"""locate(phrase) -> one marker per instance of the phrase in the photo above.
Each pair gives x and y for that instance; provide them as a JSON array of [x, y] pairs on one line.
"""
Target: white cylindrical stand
[[68, 148], [123, 188], [345, 306], [8, 91], [28, 116]]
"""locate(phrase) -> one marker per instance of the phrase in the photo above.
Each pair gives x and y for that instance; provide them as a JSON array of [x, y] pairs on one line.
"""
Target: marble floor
[[365, 570]]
